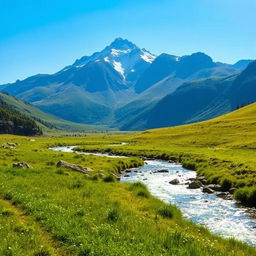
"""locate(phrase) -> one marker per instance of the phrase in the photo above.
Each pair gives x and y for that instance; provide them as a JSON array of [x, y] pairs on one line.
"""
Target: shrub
[[113, 215], [43, 252], [109, 178], [246, 195], [76, 185], [6, 213], [166, 212], [226, 184], [143, 193]]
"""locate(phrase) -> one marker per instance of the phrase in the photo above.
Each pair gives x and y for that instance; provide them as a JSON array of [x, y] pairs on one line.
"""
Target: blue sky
[[43, 36]]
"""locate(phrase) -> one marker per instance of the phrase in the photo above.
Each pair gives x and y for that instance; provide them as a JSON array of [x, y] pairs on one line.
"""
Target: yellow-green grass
[[69, 213], [223, 149]]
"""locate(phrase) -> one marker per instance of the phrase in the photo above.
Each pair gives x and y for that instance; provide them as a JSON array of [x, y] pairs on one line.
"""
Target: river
[[220, 216]]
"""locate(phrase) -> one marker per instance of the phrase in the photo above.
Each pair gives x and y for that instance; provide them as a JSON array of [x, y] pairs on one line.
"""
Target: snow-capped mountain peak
[[124, 56]]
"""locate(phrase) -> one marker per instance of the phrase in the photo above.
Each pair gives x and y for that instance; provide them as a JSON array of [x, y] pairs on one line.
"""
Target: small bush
[[78, 184], [166, 212], [79, 213], [109, 178], [226, 184], [143, 193], [50, 163], [6, 213], [84, 252], [113, 215], [43, 252], [246, 195], [60, 171]]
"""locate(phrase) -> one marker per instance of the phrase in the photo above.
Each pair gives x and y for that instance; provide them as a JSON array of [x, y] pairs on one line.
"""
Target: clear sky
[[43, 36]]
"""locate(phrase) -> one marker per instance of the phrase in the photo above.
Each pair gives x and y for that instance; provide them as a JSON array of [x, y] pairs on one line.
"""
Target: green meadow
[[222, 149], [45, 210]]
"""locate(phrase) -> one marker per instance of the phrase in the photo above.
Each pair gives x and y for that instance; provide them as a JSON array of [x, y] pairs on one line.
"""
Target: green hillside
[[233, 130], [46, 121], [13, 122]]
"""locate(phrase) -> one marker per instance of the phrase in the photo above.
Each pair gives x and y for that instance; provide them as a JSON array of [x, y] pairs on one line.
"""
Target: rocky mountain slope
[[116, 86]]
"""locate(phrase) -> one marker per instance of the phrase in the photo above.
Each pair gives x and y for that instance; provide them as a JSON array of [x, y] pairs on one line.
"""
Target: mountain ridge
[[106, 87]]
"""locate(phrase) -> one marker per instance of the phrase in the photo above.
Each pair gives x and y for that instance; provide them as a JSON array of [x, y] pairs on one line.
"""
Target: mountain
[[116, 86], [244, 87], [199, 100], [124, 57], [88, 90], [44, 121], [161, 67], [242, 64]]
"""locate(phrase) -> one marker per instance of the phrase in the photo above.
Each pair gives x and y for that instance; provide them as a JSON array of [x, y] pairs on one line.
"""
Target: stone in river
[[195, 184], [161, 171], [208, 190], [174, 182]]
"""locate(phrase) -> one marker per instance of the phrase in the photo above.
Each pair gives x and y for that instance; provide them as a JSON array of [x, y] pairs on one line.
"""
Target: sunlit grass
[[95, 214]]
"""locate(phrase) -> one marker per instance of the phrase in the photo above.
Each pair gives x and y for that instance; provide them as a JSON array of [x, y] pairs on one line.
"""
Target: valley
[[125, 87], [94, 214], [127, 128]]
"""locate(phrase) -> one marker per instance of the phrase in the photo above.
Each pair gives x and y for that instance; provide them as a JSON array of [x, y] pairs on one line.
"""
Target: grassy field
[[47, 210], [222, 149]]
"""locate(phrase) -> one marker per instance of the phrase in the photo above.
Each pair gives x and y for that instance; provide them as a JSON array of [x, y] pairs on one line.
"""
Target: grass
[[69, 213], [222, 149]]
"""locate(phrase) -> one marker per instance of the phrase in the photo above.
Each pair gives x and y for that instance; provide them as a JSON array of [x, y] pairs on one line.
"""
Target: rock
[[208, 190], [215, 187], [12, 144], [22, 165], [195, 184], [232, 190], [222, 194], [102, 175], [174, 182], [161, 171], [202, 180], [115, 176], [78, 168], [9, 145]]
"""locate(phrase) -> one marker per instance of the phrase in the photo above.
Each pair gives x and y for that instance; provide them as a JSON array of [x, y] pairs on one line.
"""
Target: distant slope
[[115, 86], [198, 100], [235, 129], [14, 122], [189, 101], [244, 87], [45, 120]]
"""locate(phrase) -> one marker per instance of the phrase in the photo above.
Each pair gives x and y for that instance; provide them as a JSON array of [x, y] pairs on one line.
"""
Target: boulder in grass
[[75, 167], [21, 165]]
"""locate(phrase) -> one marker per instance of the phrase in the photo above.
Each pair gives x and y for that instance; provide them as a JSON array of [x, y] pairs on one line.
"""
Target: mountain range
[[128, 88]]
